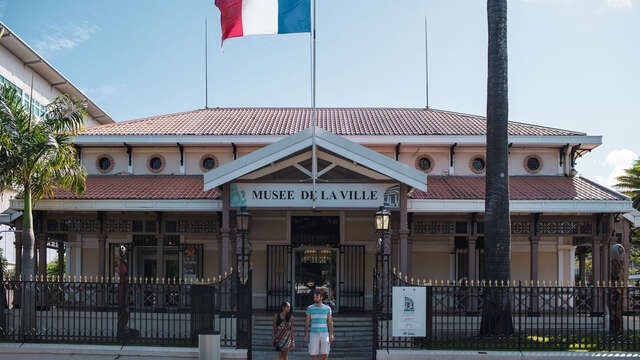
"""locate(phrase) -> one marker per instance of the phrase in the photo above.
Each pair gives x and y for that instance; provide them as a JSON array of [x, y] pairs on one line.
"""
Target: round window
[[208, 163], [424, 164], [478, 164], [533, 164], [104, 163], [156, 163]]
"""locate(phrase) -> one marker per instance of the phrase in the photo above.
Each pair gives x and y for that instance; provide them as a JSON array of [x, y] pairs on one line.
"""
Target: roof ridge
[[346, 121]]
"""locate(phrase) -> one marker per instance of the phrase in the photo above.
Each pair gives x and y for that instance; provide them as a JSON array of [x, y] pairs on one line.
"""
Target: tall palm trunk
[[28, 300], [496, 316]]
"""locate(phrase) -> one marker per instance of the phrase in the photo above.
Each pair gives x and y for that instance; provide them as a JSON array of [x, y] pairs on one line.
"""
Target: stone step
[[354, 337], [267, 355]]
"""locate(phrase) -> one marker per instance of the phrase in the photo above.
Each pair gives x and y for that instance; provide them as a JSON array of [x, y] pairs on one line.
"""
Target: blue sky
[[573, 64]]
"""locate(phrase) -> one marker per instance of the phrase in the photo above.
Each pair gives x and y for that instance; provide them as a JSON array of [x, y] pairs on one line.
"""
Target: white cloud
[[617, 161], [620, 3], [103, 91], [58, 38]]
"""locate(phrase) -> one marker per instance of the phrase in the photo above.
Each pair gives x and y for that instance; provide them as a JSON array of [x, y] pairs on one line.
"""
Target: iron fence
[[544, 316], [81, 310]]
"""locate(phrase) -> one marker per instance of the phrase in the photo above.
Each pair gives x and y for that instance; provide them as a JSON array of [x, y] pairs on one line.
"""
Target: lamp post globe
[[383, 219], [242, 219]]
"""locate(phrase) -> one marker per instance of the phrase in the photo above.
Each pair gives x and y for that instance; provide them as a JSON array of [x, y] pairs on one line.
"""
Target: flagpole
[[426, 61], [314, 160], [206, 67]]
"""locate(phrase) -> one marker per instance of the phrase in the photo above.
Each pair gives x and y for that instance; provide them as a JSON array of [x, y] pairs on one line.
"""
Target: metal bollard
[[209, 345]]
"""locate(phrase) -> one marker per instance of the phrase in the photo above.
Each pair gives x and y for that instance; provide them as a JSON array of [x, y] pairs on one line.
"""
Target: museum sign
[[326, 195]]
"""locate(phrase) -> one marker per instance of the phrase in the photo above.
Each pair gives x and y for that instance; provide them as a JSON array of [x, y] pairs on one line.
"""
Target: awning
[[8, 216]]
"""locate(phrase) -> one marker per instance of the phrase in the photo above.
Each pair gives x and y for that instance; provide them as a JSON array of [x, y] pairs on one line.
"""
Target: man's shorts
[[319, 343]]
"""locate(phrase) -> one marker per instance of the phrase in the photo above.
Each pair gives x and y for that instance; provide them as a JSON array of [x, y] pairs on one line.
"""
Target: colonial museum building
[[171, 188]]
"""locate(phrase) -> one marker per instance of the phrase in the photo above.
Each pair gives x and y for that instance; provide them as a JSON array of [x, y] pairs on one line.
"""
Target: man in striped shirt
[[321, 323]]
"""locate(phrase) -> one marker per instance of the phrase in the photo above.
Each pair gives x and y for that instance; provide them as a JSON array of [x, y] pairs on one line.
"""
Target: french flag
[[259, 17]]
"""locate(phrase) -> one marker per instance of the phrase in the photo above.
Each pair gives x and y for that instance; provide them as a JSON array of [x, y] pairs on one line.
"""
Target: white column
[[452, 265], [560, 264], [78, 255], [572, 263], [67, 255]]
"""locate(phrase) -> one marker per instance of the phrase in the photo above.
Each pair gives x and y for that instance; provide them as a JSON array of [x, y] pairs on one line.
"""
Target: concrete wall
[[13, 69], [430, 265], [8, 238], [408, 155], [119, 155]]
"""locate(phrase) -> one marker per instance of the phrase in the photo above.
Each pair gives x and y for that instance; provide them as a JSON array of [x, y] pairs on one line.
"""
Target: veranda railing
[[86, 310], [545, 315]]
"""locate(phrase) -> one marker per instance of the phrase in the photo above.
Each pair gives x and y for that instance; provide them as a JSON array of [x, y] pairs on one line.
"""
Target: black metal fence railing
[[545, 316], [84, 310]]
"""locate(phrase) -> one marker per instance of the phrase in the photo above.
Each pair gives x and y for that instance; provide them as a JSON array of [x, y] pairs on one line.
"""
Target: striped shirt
[[319, 315]]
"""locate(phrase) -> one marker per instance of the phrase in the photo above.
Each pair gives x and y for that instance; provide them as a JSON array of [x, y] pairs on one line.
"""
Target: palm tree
[[496, 315], [630, 183], [37, 156]]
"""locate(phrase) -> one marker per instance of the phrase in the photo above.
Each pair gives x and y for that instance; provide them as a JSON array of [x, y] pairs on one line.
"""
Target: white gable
[[323, 139]]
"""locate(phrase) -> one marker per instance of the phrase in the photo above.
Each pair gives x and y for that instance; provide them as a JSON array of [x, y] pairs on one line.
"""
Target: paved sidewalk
[[104, 352], [498, 355]]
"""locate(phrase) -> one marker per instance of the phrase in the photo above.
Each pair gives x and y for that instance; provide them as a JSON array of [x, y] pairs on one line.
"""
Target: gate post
[[244, 313], [202, 310], [429, 315]]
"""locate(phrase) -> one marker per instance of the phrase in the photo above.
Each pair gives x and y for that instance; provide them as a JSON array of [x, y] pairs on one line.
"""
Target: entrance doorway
[[316, 260], [315, 269]]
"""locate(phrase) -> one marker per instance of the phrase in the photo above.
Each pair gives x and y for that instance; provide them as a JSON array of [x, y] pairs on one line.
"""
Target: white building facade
[[168, 187], [37, 83]]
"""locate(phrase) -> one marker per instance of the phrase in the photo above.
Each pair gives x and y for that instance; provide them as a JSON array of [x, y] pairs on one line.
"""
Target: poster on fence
[[409, 311]]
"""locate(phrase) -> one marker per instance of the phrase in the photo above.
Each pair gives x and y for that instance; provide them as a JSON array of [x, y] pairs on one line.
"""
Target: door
[[316, 269], [278, 276], [352, 273]]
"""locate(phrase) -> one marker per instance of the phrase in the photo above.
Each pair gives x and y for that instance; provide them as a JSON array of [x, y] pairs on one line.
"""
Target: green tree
[[53, 267], [634, 253], [37, 156], [3, 264], [496, 313], [629, 184]]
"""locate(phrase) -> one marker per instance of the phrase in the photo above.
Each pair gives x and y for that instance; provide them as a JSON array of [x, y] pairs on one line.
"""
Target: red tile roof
[[142, 188], [520, 187], [439, 187], [340, 121]]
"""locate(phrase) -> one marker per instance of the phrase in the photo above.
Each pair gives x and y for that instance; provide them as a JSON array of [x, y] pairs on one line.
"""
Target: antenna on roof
[[206, 69], [426, 61]]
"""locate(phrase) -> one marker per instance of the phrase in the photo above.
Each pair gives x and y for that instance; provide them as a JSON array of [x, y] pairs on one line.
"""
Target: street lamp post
[[243, 218], [244, 303], [382, 227]]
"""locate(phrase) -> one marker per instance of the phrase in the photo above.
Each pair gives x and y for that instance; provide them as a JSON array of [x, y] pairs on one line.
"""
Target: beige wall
[[520, 266], [90, 262], [439, 155], [550, 161], [548, 266], [211, 263], [431, 265], [408, 155], [141, 157], [119, 155], [193, 155]]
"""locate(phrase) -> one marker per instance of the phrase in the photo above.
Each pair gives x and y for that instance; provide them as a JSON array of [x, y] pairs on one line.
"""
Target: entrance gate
[[279, 276], [351, 277]]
